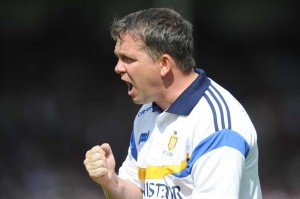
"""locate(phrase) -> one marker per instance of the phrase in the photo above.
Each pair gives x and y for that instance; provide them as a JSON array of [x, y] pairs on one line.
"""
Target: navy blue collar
[[185, 103]]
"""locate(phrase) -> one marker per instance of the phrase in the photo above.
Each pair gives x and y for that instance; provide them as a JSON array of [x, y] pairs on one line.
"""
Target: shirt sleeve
[[217, 174], [129, 168], [129, 171]]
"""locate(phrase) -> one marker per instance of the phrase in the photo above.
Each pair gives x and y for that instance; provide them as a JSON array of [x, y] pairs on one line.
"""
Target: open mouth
[[129, 86]]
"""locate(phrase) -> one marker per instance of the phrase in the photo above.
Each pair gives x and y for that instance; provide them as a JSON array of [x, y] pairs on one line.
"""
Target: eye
[[127, 59]]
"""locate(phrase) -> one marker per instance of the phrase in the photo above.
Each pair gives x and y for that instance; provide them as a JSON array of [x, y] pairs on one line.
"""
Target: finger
[[95, 165], [107, 149], [96, 173], [95, 149], [95, 156]]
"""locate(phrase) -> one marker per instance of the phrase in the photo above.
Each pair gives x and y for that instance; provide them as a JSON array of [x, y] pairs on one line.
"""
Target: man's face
[[138, 70]]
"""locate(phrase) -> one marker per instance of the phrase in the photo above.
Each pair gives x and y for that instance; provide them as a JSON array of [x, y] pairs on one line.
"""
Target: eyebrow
[[123, 55], [115, 52], [118, 54]]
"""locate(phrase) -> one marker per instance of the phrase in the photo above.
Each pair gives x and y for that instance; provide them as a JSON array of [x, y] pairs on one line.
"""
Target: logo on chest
[[144, 137]]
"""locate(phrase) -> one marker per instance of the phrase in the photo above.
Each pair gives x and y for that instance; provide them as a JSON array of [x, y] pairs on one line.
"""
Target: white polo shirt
[[203, 147]]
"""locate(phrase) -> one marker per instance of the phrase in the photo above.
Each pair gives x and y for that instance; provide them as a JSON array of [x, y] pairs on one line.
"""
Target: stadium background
[[59, 95]]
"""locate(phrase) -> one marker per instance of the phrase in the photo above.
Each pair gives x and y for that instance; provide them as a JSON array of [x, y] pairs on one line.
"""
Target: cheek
[[148, 74], [153, 79]]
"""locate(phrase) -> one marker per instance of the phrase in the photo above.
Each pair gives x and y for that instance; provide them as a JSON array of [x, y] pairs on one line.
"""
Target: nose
[[119, 68]]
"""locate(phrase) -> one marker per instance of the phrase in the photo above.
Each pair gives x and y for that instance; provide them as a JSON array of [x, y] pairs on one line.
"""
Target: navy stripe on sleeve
[[219, 108], [226, 106], [213, 111]]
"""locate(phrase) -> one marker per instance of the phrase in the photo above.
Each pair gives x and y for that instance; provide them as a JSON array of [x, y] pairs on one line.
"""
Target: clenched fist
[[100, 164]]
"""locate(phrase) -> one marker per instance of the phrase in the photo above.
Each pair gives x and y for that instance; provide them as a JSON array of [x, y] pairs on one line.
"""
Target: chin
[[139, 101], [136, 101]]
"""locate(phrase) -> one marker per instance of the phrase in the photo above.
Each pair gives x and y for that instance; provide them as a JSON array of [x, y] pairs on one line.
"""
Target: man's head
[[162, 31]]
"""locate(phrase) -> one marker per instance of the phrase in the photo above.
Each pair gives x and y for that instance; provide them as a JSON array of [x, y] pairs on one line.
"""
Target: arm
[[218, 174], [100, 164]]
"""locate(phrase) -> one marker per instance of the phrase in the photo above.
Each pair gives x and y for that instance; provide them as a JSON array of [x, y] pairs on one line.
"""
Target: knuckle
[[95, 164], [98, 172], [96, 148]]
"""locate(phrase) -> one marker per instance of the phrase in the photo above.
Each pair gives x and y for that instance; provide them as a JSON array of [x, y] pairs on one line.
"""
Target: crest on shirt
[[173, 141]]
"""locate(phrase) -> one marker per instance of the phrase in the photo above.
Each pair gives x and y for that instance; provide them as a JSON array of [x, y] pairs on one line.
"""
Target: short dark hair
[[162, 30]]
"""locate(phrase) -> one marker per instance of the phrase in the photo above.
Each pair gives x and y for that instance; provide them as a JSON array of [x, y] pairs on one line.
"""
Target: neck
[[174, 85]]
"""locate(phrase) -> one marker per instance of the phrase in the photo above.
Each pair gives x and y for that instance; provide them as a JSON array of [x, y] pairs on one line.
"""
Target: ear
[[165, 63]]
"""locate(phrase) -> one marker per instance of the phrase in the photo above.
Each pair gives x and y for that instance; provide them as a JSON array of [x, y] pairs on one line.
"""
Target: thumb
[[110, 160], [107, 149]]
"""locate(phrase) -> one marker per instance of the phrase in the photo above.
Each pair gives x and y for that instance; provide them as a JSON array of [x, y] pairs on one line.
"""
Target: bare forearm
[[100, 164], [122, 189]]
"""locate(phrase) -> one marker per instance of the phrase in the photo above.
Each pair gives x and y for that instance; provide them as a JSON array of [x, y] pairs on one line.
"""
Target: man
[[191, 138]]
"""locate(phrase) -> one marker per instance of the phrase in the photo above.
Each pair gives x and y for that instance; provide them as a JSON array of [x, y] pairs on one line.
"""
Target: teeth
[[129, 86]]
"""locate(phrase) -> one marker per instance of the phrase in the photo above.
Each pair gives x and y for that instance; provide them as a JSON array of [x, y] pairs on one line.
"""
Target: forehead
[[126, 43]]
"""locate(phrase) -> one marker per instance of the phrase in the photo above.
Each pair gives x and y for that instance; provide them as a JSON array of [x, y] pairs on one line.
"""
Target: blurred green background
[[59, 95]]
